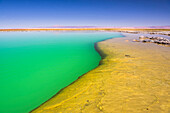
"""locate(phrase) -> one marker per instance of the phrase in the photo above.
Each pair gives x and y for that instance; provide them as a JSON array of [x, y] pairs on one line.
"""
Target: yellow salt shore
[[132, 77]]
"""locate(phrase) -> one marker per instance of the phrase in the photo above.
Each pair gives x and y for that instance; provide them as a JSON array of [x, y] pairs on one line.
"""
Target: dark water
[[34, 66]]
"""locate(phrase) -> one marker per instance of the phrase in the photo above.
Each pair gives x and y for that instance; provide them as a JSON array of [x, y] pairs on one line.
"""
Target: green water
[[34, 66]]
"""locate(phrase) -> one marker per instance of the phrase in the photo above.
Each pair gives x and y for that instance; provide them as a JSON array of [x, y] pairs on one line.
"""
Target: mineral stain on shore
[[132, 78]]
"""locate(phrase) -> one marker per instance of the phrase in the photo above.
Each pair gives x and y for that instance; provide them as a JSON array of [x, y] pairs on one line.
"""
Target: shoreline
[[150, 31], [101, 53], [120, 81]]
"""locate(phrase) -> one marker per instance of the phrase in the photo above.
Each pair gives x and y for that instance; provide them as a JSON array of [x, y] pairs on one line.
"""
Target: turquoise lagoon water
[[34, 66]]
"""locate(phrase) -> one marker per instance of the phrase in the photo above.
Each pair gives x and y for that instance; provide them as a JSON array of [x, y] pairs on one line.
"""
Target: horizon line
[[94, 27]]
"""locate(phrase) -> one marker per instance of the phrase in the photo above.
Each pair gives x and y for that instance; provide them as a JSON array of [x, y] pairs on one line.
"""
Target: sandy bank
[[132, 78]]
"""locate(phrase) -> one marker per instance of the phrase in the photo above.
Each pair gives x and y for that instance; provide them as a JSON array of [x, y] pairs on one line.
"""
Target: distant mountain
[[161, 27], [140, 27], [154, 27], [71, 27]]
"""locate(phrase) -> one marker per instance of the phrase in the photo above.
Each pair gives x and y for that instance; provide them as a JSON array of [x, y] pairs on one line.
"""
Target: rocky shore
[[157, 40], [146, 31]]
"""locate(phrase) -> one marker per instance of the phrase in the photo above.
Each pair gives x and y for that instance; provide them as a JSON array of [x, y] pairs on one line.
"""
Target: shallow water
[[34, 66]]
